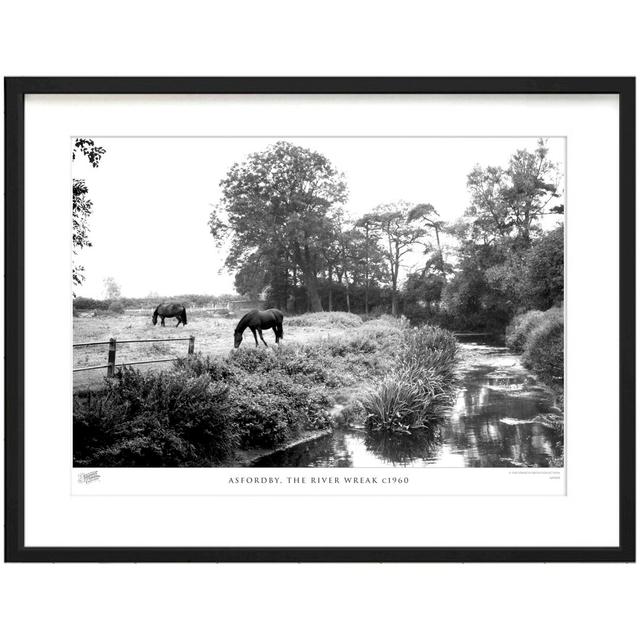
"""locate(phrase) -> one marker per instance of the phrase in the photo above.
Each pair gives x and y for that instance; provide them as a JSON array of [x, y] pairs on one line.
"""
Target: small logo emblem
[[89, 476]]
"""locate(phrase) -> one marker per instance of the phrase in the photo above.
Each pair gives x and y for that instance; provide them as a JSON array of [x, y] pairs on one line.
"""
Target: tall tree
[[82, 204], [277, 205], [349, 260], [497, 239], [253, 277], [370, 250], [509, 202], [427, 215], [544, 270], [111, 289], [398, 237], [332, 252]]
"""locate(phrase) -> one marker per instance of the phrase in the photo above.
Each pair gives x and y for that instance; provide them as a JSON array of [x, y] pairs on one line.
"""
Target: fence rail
[[111, 355]]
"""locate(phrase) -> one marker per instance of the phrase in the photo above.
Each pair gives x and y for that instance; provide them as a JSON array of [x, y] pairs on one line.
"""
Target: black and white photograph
[[361, 302], [320, 320], [320, 315]]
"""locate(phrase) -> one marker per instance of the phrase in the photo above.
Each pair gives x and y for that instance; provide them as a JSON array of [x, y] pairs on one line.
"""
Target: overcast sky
[[152, 198]]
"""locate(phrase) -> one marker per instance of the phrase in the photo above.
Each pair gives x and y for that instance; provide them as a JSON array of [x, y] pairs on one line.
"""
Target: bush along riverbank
[[215, 411], [539, 337]]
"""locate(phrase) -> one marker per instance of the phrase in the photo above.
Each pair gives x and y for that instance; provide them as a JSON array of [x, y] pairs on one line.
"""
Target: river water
[[502, 417]]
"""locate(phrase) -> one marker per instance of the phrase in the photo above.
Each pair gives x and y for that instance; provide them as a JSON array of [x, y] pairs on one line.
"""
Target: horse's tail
[[155, 315], [183, 315]]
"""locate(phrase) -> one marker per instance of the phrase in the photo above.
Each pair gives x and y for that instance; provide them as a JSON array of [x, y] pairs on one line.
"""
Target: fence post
[[192, 341], [111, 369]]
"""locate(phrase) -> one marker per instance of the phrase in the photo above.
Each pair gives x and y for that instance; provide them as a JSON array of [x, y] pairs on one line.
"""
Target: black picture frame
[[15, 91]]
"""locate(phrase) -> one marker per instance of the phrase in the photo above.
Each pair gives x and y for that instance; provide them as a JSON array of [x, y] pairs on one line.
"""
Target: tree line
[[282, 214], [81, 303]]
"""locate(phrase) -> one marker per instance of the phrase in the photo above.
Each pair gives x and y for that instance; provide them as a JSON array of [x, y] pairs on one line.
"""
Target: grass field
[[213, 336]]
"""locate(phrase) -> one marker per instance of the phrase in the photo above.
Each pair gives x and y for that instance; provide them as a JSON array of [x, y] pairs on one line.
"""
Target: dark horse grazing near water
[[170, 310], [257, 321]]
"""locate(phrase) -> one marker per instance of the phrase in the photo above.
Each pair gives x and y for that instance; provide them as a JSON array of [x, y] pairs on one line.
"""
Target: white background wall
[[328, 38]]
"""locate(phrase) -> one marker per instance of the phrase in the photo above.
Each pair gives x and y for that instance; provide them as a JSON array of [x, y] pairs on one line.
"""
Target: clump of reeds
[[419, 388]]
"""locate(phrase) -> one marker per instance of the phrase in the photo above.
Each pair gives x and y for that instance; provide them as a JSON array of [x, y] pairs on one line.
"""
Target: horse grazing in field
[[257, 321], [170, 310]]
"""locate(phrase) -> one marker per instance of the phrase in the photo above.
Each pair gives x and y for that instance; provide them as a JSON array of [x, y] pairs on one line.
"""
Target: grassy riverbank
[[212, 409]]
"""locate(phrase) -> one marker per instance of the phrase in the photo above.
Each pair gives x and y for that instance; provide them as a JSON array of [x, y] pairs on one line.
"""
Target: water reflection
[[497, 420], [401, 449]]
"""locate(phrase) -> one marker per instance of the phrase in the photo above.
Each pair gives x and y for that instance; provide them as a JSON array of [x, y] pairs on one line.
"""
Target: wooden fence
[[111, 356]]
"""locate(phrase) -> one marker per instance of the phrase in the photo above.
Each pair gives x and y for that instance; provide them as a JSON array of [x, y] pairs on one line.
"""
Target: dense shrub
[[261, 419], [520, 327], [273, 394], [153, 419], [539, 336], [332, 362], [290, 358], [544, 349], [250, 359], [198, 414], [359, 343], [267, 412], [216, 368], [307, 361]]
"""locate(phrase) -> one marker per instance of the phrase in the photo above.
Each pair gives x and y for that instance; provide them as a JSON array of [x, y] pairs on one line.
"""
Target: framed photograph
[[320, 319]]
